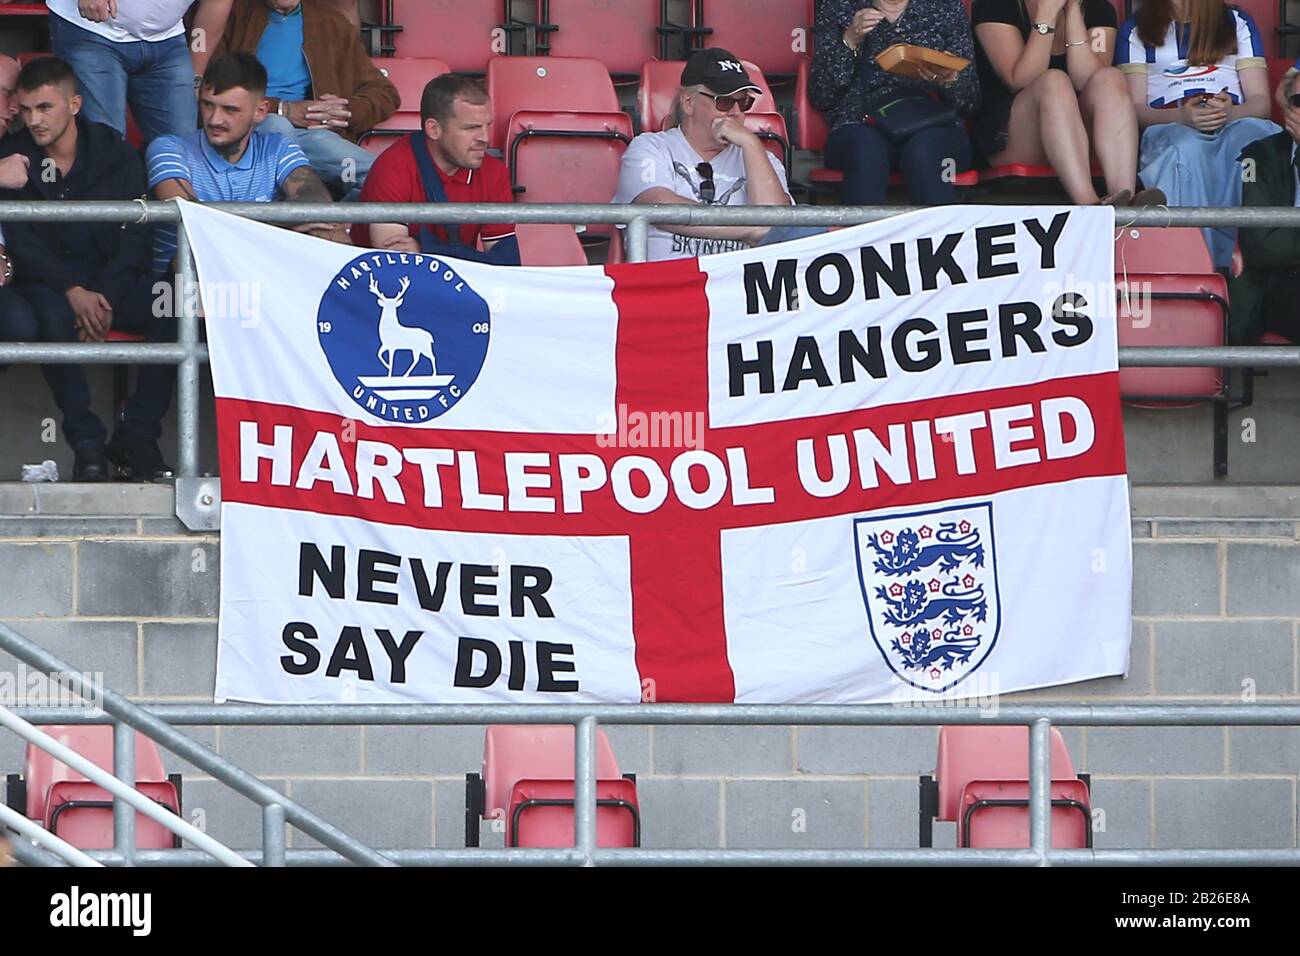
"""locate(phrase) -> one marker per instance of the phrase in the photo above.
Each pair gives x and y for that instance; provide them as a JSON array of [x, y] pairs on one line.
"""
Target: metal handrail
[[115, 707], [188, 352], [586, 719], [125, 793]]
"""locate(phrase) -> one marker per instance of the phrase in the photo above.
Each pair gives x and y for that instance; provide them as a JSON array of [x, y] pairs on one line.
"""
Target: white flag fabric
[[883, 463]]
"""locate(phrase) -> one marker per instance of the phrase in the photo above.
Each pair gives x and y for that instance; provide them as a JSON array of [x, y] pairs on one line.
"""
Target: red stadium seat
[[567, 157], [621, 35], [549, 244], [546, 84], [10, 9], [1277, 68], [70, 806], [774, 33], [1265, 15], [465, 34], [1170, 294], [410, 75], [528, 772], [977, 764], [995, 815], [660, 80]]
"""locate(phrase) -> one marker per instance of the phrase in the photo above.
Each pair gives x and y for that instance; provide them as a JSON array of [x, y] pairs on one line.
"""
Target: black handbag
[[899, 119]]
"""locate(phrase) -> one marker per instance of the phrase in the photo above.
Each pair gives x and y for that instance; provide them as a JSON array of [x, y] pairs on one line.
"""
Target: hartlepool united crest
[[404, 334], [929, 579]]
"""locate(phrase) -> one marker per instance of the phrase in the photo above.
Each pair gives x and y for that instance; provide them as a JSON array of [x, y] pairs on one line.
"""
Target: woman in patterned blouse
[[847, 85]]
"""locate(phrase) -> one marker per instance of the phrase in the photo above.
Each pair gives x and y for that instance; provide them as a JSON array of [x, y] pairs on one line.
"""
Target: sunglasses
[[1294, 100], [724, 102], [708, 189]]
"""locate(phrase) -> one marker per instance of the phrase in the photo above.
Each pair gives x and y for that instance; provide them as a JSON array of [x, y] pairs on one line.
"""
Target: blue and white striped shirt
[[258, 176]]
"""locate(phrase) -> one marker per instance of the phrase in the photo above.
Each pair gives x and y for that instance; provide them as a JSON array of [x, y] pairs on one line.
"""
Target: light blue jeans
[[335, 160], [157, 79], [1201, 169]]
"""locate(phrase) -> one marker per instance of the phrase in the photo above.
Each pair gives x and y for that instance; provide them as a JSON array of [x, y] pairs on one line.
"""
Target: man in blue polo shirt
[[230, 161]]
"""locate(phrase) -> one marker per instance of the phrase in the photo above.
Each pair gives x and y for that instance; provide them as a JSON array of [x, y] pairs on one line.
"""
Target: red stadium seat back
[[774, 33], [567, 157], [92, 741], [995, 815], [810, 125], [117, 335], [621, 35], [549, 244], [660, 81], [1277, 68], [541, 814], [82, 814], [466, 34], [378, 143], [770, 128], [1163, 310], [410, 75], [514, 752], [969, 753], [1179, 250], [568, 84]]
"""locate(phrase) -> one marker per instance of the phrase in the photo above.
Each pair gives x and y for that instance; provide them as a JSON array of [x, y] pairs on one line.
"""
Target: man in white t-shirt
[[137, 50], [708, 158]]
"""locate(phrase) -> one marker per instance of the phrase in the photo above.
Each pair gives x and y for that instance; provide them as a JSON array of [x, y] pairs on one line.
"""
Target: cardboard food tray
[[906, 60]]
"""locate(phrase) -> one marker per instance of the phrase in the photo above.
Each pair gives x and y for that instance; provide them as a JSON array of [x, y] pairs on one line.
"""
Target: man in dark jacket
[[83, 279], [1266, 296], [323, 89]]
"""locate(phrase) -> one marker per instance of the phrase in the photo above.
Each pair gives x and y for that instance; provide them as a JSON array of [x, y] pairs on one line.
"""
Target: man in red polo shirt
[[456, 115]]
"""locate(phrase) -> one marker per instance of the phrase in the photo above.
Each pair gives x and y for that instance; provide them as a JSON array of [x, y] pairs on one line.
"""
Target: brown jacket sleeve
[[373, 97], [336, 58]]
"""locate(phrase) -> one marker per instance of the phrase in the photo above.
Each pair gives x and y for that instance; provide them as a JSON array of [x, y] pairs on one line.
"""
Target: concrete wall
[[106, 579]]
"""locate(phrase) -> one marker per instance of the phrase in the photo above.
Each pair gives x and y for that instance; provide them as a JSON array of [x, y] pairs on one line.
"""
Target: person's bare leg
[[1045, 125], [1108, 113]]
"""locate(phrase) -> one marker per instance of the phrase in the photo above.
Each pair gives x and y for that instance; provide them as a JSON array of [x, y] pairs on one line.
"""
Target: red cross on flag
[[882, 463]]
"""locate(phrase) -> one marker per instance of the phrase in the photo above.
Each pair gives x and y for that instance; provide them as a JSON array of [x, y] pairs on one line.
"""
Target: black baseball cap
[[719, 70]]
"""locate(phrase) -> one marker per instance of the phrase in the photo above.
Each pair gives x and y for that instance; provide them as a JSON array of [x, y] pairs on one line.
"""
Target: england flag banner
[[881, 464]]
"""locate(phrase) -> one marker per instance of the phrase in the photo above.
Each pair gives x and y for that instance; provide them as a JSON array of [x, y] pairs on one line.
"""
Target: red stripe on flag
[[662, 365]]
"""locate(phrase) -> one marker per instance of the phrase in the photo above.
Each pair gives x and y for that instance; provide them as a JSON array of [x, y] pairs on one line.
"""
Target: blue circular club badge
[[404, 334]]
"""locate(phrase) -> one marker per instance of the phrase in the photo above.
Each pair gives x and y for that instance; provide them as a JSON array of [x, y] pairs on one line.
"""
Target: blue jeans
[[337, 161], [156, 78], [866, 156], [786, 233], [48, 318], [1201, 169]]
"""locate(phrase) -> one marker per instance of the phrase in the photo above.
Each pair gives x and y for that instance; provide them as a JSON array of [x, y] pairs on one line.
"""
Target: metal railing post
[[187, 373], [273, 835], [1040, 787], [44, 839], [124, 770], [584, 788], [638, 239]]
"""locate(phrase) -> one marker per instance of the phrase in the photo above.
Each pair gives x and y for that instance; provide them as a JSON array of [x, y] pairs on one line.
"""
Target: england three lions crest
[[930, 583], [404, 334]]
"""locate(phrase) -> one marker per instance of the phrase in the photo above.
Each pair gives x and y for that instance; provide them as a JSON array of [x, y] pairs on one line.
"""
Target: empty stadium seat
[[566, 156], [621, 35], [776, 34], [661, 79], [465, 34], [980, 782], [67, 804], [546, 84], [527, 782], [410, 75], [549, 244]]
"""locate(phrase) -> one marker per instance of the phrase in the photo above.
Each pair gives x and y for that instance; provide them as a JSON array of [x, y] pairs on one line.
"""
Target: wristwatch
[[1044, 28]]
